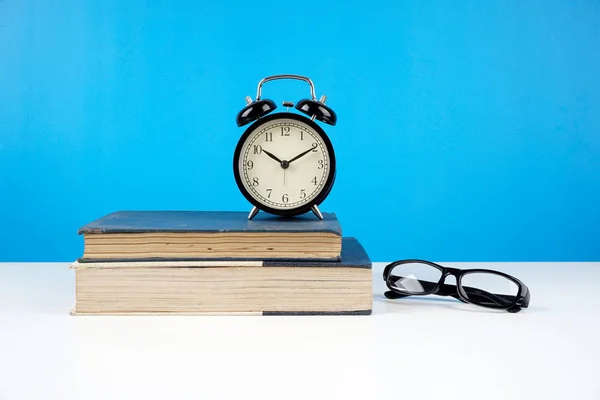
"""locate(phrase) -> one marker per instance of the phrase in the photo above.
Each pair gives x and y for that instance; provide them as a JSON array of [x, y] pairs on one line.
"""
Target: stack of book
[[206, 262]]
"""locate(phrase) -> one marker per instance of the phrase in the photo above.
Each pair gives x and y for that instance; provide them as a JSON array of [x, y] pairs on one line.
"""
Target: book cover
[[208, 222]]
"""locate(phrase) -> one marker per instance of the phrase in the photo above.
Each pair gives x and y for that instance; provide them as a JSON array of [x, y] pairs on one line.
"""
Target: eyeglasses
[[482, 287]]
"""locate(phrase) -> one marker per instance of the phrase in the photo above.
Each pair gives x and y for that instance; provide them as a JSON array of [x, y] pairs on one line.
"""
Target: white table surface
[[434, 348]]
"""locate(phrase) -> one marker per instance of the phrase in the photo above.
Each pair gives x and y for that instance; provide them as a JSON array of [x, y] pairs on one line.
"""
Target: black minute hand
[[301, 155], [274, 157]]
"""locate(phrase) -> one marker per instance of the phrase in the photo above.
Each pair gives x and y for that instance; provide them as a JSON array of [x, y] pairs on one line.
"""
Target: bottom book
[[227, 287]]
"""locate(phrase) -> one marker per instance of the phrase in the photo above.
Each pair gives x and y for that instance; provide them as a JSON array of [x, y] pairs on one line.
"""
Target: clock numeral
[[250, 164], [268, 136], [320, 164], [257, 149], [269, 190], [314, 146], [285, 198], [285, 131], [255, 181], [314, 180], [302, 193], [301, 135]]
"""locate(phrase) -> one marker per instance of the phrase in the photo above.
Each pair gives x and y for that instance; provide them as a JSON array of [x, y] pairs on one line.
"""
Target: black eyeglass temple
[[393, 295]]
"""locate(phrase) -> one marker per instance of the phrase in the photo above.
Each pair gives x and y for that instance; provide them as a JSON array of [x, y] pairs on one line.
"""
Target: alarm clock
[[284, 163]]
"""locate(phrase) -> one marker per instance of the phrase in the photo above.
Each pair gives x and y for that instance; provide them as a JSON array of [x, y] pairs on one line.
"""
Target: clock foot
[[316, 211], [253, 212]]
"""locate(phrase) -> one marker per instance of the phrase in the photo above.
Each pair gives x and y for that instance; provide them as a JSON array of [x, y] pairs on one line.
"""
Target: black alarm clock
[[284, 163]]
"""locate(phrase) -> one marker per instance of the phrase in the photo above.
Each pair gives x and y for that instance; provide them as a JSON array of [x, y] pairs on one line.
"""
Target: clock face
[[284, 162]]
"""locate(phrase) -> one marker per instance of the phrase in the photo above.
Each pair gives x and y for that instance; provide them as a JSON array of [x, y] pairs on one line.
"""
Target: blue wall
[[468, 131]]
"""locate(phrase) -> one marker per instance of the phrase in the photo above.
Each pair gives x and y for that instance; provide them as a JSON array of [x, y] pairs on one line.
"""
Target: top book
[[195, 235]]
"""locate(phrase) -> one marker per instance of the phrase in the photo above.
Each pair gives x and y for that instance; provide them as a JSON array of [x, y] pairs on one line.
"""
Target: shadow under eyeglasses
[[383, 305]]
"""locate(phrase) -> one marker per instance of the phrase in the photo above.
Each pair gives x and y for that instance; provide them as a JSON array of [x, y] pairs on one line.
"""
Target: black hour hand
[[273, 156]]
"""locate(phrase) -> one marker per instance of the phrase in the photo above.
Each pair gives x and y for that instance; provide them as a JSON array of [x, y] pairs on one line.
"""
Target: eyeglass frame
[[457, 291]]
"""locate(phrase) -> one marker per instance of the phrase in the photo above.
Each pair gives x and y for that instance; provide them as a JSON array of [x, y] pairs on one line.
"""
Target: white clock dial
[[284, 164]]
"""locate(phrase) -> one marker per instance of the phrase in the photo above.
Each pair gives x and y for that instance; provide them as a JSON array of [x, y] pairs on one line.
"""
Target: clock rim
[[289, 212]]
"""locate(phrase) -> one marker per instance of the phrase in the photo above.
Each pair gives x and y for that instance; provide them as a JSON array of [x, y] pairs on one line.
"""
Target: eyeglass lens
[[489, 289], [414, 278]]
